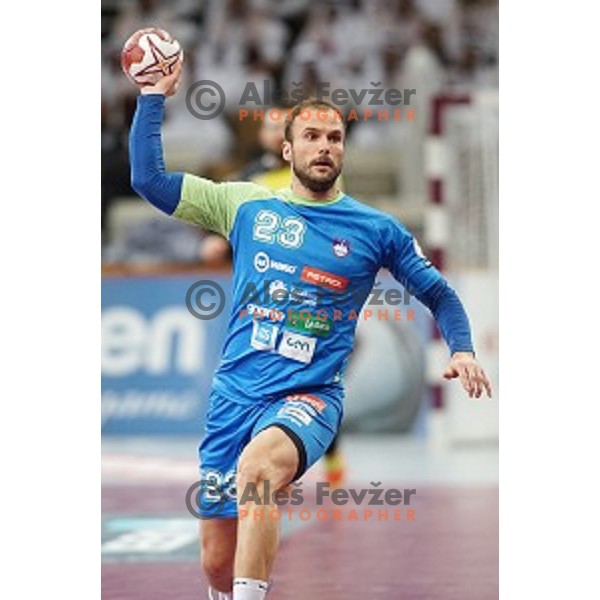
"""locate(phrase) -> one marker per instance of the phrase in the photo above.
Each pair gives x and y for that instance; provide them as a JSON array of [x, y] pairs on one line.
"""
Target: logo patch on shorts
[[314, 401], [297, 347], [297, 412], [264, 335]]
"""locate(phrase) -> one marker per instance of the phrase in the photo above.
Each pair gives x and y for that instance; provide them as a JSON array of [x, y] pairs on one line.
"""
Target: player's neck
[[301, 190]]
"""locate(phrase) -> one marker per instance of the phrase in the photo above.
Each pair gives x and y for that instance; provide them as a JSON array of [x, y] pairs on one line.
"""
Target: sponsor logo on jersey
[[303, 297], [297, 347], [262, 312], [327, 280], [420, 252], [307, 323], [341, 248], [264, 335], [263, 262], [278, 291]]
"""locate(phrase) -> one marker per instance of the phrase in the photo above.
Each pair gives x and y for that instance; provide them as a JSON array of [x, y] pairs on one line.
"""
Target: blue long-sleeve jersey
[[302, 269]]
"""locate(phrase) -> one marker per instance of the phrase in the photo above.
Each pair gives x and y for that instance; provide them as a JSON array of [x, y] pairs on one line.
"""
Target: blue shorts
[[311, 420]]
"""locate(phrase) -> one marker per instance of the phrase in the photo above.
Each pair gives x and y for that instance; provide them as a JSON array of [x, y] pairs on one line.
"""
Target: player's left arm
[[407, 263]]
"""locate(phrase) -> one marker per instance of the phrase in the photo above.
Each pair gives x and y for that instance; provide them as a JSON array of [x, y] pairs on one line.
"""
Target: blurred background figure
[[269, 168]]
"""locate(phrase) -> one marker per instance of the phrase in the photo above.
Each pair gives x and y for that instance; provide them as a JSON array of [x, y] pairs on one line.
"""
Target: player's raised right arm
[[149, 177], [193, 199], [148, 174]]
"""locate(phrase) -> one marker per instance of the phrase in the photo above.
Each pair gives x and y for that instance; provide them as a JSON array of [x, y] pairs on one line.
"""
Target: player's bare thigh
[[218, 538], [270, 455]]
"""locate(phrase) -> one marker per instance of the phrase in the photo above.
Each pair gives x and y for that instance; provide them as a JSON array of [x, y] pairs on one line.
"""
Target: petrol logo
[[324, 279]]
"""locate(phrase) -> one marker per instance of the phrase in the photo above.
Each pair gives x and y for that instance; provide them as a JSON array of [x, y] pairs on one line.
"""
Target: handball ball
[[149, 55]]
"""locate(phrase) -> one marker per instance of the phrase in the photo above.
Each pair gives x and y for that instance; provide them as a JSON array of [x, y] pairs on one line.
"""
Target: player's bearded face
[[317, 153]]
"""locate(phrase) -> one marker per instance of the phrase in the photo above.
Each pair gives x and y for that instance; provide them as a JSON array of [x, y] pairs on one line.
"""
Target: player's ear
[[286, 151]]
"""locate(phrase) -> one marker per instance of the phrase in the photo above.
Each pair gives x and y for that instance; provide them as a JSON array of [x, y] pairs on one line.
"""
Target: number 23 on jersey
[[270, 228]]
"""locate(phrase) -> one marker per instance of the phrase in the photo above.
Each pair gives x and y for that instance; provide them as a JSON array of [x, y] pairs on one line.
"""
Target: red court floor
[[449, 550]]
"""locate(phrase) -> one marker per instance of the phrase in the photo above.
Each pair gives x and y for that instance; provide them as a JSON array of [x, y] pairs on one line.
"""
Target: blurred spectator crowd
[[427, 45]]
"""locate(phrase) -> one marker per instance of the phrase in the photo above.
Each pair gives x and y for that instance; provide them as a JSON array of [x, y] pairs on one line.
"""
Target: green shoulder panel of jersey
[[214, 205]]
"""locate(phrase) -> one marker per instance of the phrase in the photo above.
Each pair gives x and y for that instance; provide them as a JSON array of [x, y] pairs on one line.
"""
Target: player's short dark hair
[[311, 103]]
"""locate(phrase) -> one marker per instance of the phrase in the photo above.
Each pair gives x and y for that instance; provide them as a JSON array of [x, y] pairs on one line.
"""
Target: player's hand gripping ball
[[149, 55]]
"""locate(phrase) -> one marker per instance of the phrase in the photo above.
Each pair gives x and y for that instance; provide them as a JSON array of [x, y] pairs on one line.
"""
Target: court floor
[[444, 545]]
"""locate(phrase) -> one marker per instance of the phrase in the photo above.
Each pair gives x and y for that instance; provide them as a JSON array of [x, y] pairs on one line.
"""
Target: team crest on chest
[[341, 247]]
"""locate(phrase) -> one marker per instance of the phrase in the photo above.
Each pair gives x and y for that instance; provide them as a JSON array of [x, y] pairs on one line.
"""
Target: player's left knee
[[252, 470], [256, 470]]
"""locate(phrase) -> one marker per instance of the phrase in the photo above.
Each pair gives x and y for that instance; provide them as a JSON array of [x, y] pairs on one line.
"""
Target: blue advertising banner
[[157, 358]]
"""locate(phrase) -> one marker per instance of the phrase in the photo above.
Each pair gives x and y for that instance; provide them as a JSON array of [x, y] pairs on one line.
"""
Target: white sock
[[217, 595], [245, 588]]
